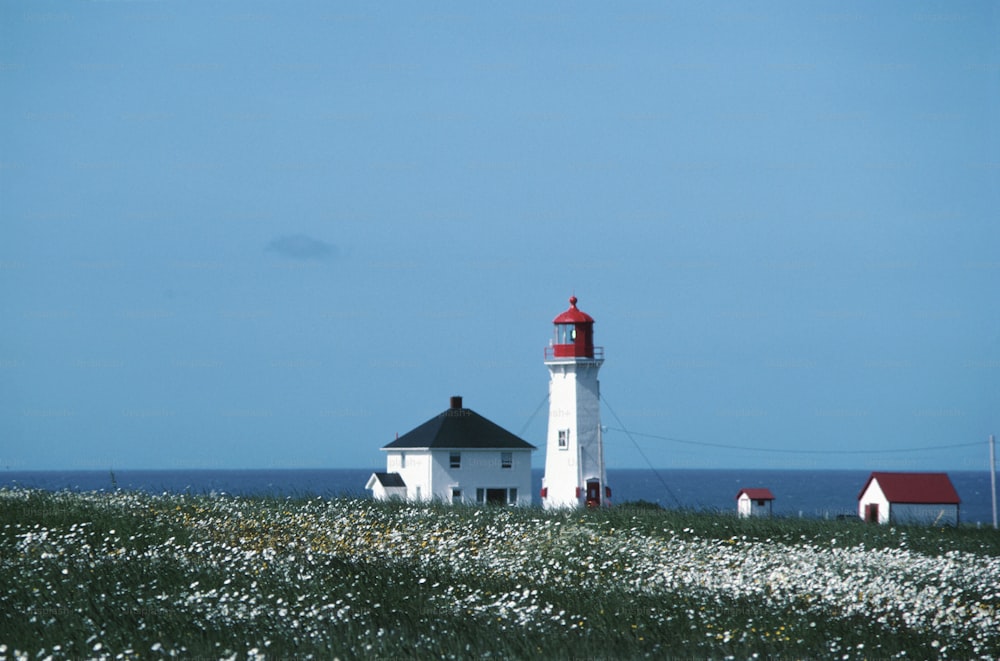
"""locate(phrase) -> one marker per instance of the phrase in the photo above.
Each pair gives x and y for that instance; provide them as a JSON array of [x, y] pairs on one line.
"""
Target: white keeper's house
[[928, 498], [458, 456]]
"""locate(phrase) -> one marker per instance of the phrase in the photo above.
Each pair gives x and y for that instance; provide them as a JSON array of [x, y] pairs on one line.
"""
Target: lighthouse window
[[455, 460], [506, 459], [565, 333], [563, 439]]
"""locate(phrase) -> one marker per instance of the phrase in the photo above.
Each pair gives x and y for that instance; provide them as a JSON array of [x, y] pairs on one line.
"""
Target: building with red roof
[[754, 502], [575, 474], [928, 498]]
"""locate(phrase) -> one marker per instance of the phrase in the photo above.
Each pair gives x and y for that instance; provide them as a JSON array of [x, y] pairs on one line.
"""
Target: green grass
[[196, 576], [849, 532]]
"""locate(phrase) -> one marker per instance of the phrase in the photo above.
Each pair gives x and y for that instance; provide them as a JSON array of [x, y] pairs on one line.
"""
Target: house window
[[506, 459], [563, 439], [497, 496], [760, 503], [402, 460], [455, 460], [456, 496]]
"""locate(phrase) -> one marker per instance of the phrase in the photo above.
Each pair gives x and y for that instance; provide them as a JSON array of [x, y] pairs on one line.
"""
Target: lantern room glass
[[565, 333]]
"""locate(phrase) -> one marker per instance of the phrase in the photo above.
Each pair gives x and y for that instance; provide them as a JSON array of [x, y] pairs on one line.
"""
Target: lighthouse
[[574, 455]]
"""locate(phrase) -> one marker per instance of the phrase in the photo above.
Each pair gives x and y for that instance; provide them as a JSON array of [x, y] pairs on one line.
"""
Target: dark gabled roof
[[756, 494], [915, 488], [459, 428], [390, 479]]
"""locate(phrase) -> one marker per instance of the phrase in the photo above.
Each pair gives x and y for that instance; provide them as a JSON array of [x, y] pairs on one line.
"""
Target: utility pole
[[993, 478], [602, 495]]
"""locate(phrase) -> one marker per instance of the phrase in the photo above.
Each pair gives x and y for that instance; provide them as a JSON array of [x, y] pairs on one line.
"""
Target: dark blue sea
[[798, 493]]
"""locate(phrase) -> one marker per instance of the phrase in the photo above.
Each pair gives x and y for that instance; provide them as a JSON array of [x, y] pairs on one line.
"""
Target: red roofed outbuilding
[[754, 502], [928, 498]]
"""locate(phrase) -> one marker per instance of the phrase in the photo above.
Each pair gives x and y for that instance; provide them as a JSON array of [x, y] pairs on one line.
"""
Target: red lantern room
[[574, 335]]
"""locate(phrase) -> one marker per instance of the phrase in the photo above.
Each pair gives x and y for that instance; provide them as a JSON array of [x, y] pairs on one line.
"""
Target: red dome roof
[[573, 315]]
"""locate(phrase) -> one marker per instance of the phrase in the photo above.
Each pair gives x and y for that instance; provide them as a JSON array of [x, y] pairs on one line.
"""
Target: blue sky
[[275, 234]]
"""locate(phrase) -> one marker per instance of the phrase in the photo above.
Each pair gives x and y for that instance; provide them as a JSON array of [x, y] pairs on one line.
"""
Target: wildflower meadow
[[125, 575]]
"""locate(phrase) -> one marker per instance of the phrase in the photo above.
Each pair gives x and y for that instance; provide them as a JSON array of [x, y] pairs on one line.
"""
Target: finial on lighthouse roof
[[573, 315]]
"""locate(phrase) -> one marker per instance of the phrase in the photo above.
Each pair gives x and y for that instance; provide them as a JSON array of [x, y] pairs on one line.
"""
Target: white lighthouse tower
[[574, 456]]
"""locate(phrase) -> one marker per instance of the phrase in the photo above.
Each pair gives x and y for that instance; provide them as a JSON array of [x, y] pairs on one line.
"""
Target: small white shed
[[385, 486], [754, 502], [928, 498]]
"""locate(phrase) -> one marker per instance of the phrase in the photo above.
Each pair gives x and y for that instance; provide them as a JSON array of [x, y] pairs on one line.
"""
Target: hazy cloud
[[300, 246]]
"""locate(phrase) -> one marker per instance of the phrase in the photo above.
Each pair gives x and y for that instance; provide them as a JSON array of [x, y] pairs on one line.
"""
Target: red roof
[[756, 494], [573, 316], [915, 488]]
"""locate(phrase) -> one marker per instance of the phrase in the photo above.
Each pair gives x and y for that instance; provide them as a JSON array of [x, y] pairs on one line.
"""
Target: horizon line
[[10, 469]]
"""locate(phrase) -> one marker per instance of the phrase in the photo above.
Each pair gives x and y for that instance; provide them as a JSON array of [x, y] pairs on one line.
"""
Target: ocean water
[[806, 493]]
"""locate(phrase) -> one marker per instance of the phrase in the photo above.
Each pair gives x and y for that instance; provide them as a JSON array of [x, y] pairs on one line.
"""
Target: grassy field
[[128, 575]]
